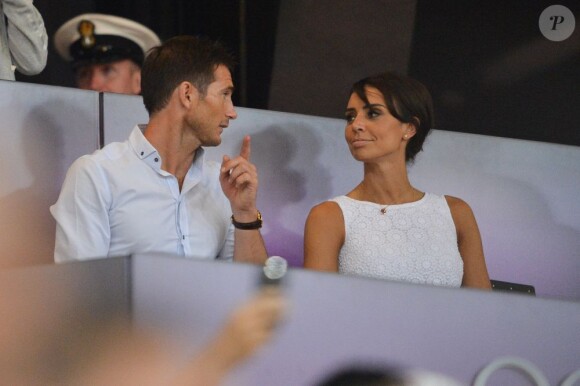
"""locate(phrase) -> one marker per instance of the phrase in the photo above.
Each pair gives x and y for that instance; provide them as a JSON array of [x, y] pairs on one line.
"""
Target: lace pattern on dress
[[414, 242]]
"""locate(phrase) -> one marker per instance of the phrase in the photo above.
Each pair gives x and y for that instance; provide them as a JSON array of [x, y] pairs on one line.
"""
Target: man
[[156, 192], [23, 39], [106, 52]]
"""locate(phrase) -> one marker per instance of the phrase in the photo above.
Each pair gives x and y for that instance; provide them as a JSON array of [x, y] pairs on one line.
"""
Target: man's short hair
[[179, 59]]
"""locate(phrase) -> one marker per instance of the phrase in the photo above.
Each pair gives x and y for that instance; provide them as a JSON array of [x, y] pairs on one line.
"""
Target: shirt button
[[183, 237], [156, 159], [142, 152]]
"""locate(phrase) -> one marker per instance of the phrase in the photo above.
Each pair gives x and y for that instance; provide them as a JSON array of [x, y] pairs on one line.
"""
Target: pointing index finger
[[245, 151]]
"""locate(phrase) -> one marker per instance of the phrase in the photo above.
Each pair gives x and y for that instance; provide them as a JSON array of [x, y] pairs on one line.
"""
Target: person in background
[[156, 192], [121, 355], [248, 328], [385, 227], [106, 52], [375, 375], [67, 343], [23, 39]]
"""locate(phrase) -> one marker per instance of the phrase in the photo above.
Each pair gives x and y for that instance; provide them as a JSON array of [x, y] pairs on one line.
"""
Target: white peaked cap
[[111, 25]]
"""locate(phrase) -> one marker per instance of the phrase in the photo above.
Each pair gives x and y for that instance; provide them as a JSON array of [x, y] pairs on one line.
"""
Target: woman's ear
[[410, 131]]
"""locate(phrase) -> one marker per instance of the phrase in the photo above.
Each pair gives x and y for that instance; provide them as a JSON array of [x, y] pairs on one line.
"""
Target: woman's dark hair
[[407, 99], [179, 59]]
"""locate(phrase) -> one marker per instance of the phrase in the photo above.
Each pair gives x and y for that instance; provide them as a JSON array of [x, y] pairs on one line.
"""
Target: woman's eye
[[349, 118], [373, 113]]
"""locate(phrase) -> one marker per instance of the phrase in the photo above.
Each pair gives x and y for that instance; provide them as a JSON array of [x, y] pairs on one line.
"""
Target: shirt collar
[[140, 144], [146, 152]]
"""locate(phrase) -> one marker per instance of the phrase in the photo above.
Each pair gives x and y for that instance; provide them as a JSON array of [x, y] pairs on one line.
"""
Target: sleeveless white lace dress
[[414, 242]]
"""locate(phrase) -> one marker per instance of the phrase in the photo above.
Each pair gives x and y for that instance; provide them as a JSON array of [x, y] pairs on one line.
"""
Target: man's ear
[[136, 82], [187, 93]]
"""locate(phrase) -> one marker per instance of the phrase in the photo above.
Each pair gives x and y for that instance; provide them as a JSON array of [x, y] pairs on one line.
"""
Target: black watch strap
[[248, 225]]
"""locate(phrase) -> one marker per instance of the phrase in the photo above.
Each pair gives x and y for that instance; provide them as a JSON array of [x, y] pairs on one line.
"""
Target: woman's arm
[[470, 247], [323, 237]]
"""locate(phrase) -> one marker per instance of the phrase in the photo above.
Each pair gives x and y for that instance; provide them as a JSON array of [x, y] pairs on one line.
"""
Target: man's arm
[[239, 181], [81, 214], [27, 38]]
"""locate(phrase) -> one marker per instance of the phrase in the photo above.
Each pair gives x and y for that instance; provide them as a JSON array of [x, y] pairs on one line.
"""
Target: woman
[[385, 227]]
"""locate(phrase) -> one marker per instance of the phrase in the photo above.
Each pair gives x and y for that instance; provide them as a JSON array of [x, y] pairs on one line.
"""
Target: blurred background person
[[106, 52], [375, 375], [128, 357], [58, 340], [385, 227], [23, 39]]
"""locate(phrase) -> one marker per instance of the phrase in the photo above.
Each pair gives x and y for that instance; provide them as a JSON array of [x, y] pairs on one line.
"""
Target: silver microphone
[[274, 270]]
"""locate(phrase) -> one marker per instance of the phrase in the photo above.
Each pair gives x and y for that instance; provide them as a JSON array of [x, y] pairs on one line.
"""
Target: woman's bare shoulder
[[326, 208], [458, 206]]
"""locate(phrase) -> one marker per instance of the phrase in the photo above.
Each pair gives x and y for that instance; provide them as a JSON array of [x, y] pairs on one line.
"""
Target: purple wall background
[[523, 193], [43, 129]]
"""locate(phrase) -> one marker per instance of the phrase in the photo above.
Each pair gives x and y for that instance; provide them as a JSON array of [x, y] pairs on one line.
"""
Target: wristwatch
[[248, 225]]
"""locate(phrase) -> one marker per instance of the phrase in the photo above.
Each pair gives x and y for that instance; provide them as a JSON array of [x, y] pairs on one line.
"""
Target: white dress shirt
[[118, 201]]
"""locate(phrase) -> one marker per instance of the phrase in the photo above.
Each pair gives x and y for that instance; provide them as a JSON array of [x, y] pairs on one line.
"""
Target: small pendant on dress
[[384, 210]]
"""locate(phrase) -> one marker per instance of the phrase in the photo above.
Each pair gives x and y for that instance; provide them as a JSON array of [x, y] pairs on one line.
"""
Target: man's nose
[[232, 113]]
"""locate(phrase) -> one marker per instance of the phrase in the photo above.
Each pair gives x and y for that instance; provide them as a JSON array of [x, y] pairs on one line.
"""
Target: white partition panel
[[339, 320], [523, 193], [43, 129], [120, 114], [525, 197], [332, 321]]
